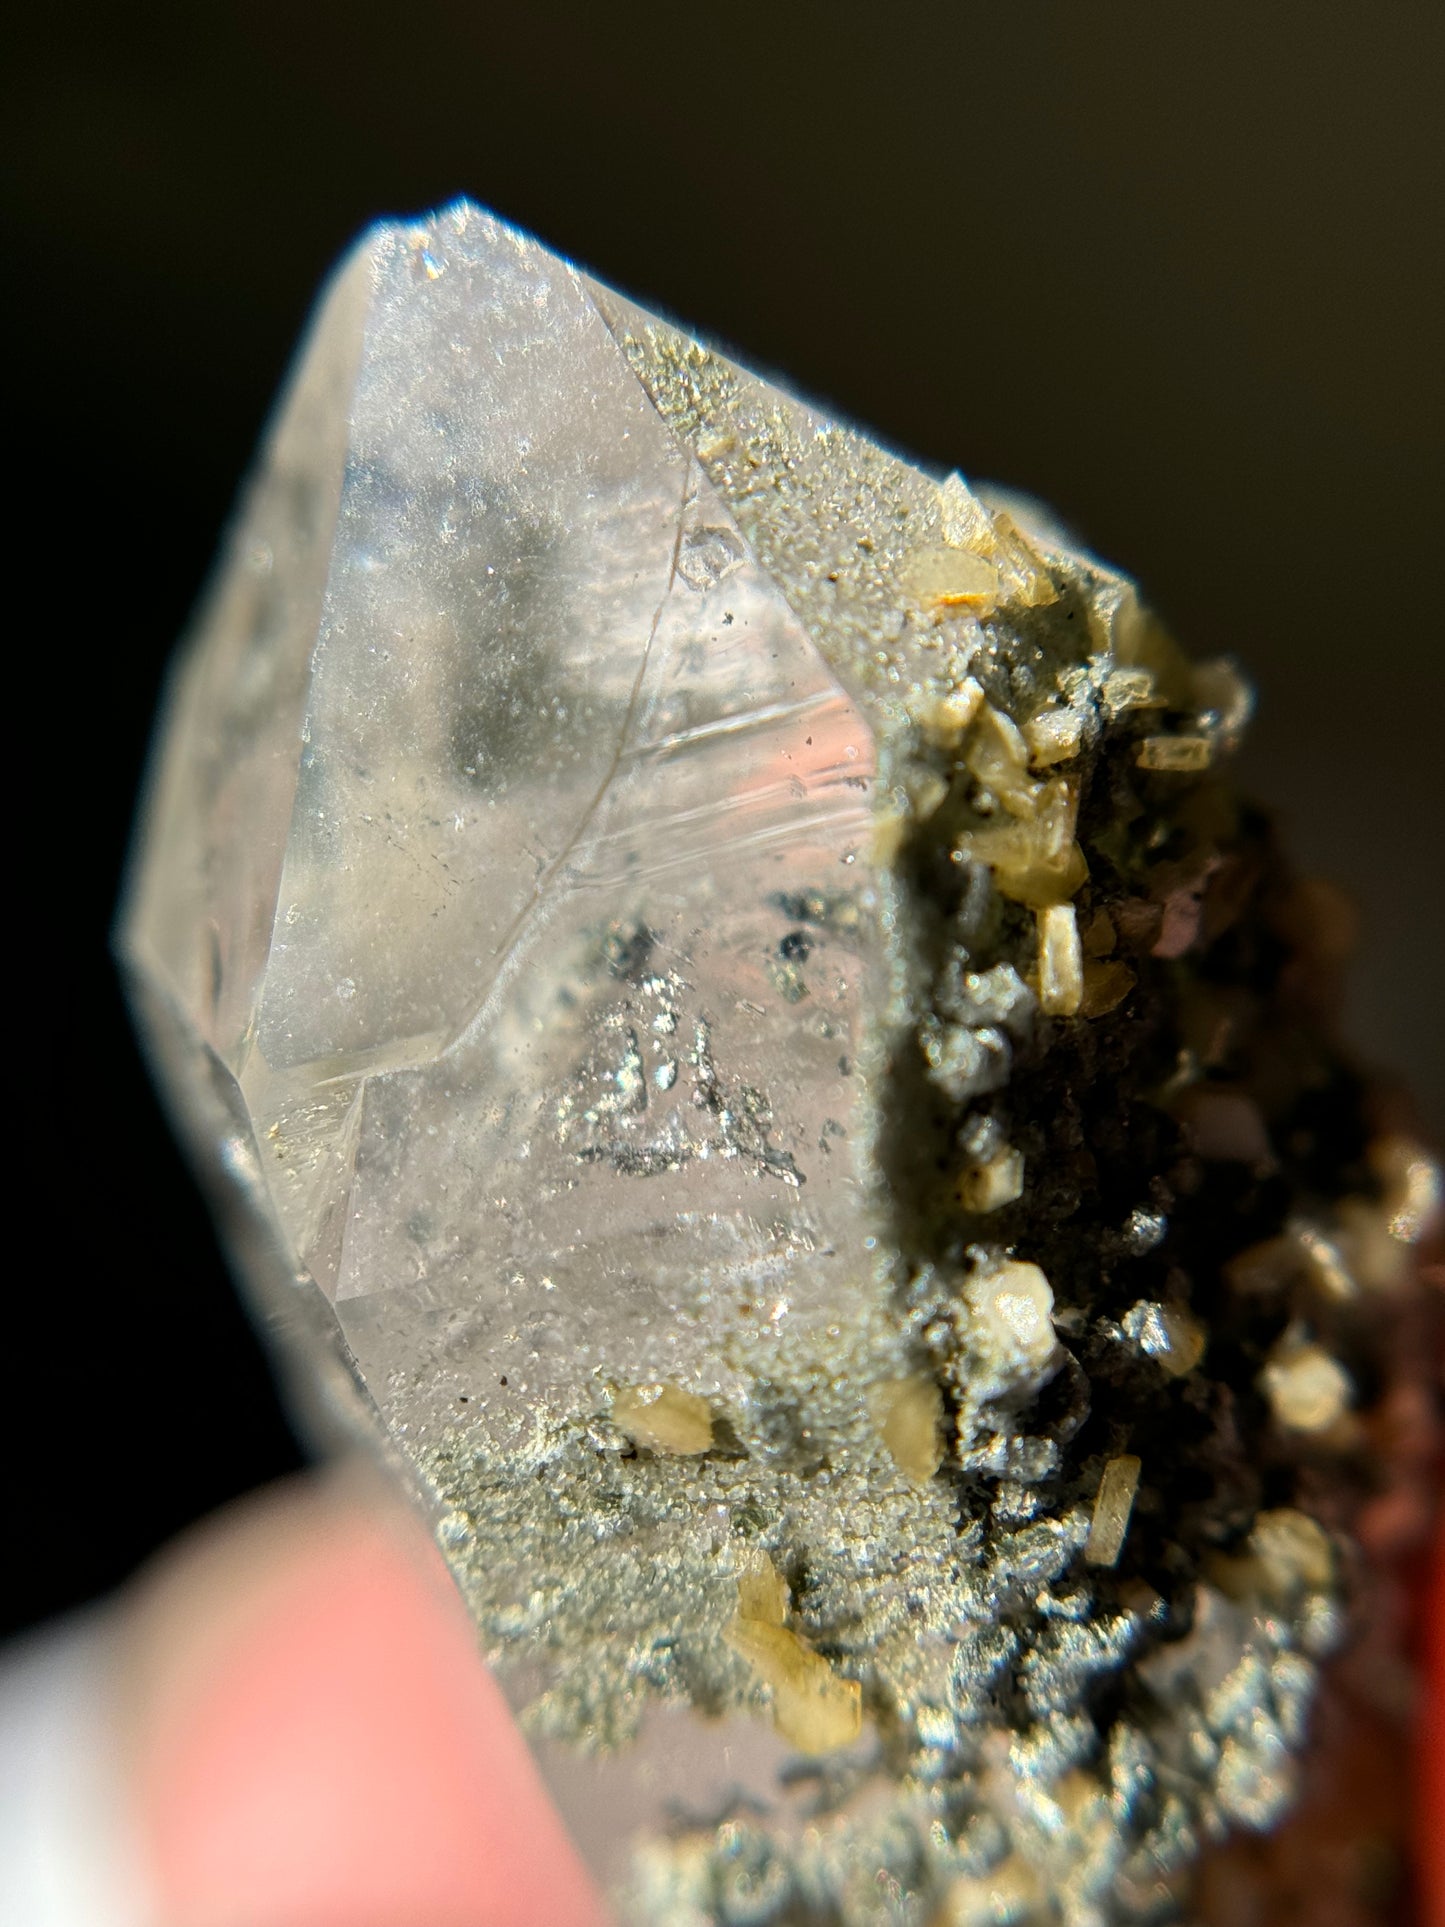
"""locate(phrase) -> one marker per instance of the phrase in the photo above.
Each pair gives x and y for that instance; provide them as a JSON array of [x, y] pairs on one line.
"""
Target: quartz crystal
[[739, 1028]]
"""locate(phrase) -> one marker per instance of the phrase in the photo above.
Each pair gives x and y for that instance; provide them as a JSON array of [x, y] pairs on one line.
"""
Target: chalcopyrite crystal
[[741, 1028]]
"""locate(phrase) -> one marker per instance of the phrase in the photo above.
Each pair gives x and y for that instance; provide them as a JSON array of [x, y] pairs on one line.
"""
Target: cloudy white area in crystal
[[677, 933]]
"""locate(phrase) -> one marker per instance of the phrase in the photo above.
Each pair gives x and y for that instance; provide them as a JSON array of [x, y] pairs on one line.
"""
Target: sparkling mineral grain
[[740, 1025]]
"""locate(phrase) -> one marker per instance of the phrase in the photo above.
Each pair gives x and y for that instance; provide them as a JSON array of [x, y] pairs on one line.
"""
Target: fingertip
[[335, 1754]]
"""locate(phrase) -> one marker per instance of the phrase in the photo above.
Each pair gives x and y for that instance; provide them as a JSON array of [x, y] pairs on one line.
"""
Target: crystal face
[[738, 1026]]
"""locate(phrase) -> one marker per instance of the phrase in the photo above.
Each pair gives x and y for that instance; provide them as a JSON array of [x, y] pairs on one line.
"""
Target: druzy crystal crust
[[742, 1032]]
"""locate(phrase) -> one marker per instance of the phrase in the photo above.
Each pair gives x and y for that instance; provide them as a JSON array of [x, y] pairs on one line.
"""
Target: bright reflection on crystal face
[[698, 946]]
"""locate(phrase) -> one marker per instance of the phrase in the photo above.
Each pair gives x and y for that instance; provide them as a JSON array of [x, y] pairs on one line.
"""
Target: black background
[[1176, 268]]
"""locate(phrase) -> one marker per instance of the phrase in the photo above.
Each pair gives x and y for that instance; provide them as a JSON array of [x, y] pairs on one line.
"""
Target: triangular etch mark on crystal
[[750, 770], [202, 900]]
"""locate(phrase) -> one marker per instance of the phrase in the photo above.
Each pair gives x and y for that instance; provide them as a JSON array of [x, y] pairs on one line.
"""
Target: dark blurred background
[[1176, 269]]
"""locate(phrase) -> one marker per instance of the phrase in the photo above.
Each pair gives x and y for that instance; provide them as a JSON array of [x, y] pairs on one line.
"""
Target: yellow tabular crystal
[[1170, 1335], [966, 524], [984, 560], [1061, 964], [1037, 862], [1187, 1341], [1287, 1553], [1053, 736], [1025, 580], [814, 1708], [1308, 1390], [1130, 689], [952, 579], [1301, 1254], [886, 837], [1179, 753], [947, 720], [664, 1418], [1217, 689], [1113, 1506], [988, 1187], [1038, 880], [1373, 1236], [1143, 646], [997, 756], [762, 1592], [909, 1413], [1013, 1306]]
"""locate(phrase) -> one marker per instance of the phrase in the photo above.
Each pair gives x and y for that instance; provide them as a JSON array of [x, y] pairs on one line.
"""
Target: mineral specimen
[[743, 1030]]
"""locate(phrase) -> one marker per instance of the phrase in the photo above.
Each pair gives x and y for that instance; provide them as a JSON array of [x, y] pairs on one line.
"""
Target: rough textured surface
[[732, 984]]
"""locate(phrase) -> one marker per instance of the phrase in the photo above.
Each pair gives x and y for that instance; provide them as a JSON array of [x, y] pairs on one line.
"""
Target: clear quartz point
[[613, 852]]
